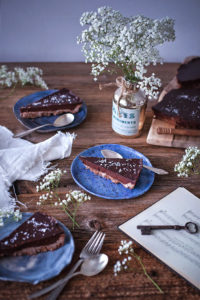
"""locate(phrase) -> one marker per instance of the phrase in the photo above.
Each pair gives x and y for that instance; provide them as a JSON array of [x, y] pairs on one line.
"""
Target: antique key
[[189, 227]]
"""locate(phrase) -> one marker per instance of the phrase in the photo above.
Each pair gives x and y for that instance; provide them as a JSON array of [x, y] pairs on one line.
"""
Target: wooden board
[[98, 212], [169, 140]]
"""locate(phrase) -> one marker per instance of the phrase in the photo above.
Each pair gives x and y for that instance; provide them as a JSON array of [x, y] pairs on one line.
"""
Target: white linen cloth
[[22, 160]]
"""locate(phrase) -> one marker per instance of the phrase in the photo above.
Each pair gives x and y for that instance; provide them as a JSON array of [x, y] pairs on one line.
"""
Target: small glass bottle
[[128, 112]]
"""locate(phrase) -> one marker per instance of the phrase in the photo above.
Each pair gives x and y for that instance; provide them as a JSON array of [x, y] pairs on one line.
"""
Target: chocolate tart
[[188, 74], [56, 103], [39, 233], [180, 107], [124, 171]]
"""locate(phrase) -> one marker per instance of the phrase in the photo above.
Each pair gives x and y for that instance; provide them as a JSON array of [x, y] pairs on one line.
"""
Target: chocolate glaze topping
[[180, 107], [40, 229], [124, 170]]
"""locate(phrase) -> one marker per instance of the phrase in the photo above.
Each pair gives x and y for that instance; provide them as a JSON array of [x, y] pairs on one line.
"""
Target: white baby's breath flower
[[126, 249], [31, 75], [129, 43], [6, 213], [190, 163], [50, 180], [77, 196], [1, 221], [117, 267], [72, 201]]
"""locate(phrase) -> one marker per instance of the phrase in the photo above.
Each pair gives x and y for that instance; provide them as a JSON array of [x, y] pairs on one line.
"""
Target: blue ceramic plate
[[104, 188], [32, 123], [36, 268]]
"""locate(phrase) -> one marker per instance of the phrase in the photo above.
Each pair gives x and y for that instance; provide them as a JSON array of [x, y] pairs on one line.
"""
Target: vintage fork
[[92, 248]]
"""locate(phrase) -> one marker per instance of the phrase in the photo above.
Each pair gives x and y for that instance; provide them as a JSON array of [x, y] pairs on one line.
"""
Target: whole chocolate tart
[[188, 74], [39, 233], [56, 103], [180, 107], [124, 171]]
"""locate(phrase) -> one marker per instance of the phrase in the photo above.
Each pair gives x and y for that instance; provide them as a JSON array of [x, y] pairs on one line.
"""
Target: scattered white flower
[[51, 180], [17, 215], [117, 267], [129, 43], [126, 248], [6, 213], [72, 200], [31, 75], [1, 221], [76, 196], [190, 162]]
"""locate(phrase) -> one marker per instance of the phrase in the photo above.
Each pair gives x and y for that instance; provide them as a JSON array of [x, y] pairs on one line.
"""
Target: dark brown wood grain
[[95, 130]]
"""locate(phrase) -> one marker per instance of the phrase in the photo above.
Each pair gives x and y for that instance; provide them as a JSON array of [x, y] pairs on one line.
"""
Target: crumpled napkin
[[22, 160]]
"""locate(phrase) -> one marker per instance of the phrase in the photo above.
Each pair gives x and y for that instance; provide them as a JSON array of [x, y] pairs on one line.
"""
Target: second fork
[[92, 248]]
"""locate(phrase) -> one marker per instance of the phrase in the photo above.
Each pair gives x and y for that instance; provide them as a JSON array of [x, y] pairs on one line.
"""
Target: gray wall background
[[46, 30]]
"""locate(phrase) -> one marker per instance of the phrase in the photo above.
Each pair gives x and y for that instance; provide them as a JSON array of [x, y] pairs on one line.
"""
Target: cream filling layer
[[128, 185]]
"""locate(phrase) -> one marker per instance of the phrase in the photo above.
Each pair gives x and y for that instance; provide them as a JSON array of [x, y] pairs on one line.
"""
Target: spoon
[[112, 154], [62, 120], [91, 266]]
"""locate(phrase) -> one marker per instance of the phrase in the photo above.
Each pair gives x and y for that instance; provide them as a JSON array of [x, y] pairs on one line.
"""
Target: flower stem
[[72, 219], [145, 272], [74, 216], [9, 94]]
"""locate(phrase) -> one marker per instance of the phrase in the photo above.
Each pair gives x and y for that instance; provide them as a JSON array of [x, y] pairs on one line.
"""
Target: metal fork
[[92, 248]]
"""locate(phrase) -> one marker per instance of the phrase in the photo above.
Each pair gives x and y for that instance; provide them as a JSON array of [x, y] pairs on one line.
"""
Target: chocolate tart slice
[[59, 102], [124, 171], [188, 74], [180, 107], [39, 233]]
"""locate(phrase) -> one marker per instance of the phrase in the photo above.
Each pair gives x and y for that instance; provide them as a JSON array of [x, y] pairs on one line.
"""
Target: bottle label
[[127, 121]]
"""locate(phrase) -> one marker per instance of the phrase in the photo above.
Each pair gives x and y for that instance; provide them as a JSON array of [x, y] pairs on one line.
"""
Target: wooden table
[[107, 214]]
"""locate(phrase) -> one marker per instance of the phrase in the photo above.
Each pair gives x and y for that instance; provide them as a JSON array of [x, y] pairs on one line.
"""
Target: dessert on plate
[[39, 233], [118, 170], [56, 103], [180, 107], [188, 74]]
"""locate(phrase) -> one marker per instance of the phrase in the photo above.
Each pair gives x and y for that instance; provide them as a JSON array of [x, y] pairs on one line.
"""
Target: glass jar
[[128, 112]]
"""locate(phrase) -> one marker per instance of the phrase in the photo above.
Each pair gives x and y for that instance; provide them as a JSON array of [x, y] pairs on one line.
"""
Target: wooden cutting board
[[169, 140]]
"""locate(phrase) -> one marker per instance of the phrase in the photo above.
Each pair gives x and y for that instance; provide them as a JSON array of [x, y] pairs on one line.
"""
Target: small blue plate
[[104, 188], [32, 123], [35, 268]]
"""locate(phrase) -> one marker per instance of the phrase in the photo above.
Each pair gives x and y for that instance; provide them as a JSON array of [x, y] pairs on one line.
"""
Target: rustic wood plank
[[95, 130]]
